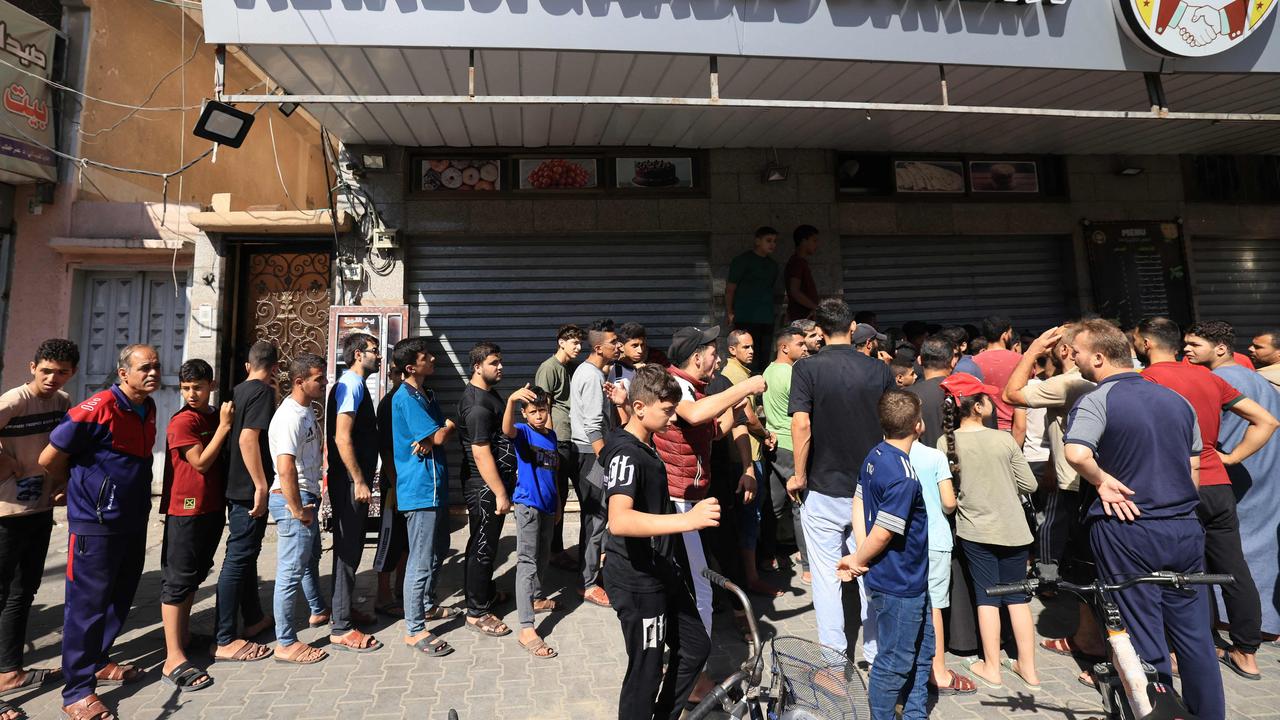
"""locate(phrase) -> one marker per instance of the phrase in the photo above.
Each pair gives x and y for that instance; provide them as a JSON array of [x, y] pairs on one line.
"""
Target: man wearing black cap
[[685, 448], [834, 425], [866, 340]]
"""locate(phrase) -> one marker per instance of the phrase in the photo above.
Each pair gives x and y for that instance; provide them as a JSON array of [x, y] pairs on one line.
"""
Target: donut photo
[[461, 175]]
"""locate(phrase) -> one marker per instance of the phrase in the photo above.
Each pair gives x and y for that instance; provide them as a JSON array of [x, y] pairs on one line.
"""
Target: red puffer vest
[[686, 450]]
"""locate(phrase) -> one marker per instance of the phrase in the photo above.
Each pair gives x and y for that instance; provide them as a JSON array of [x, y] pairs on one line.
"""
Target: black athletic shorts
[[186, 554]]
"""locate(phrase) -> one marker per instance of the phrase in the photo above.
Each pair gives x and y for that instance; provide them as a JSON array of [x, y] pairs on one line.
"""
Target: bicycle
[[1129, 687], [808, 681]]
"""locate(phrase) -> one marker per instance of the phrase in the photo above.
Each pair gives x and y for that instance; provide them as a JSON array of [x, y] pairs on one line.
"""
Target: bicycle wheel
[[817, 679]]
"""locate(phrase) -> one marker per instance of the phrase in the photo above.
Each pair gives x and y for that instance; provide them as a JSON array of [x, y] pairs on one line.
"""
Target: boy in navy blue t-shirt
[[894, 558], [536, 505]]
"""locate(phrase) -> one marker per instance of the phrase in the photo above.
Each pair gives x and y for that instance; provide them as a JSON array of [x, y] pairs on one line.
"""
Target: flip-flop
[[984, 681], [186, 678], [338, 644], [1009, 665], [432, 646], [10, 708], [533, 648], [1234, 667], [35, 677]]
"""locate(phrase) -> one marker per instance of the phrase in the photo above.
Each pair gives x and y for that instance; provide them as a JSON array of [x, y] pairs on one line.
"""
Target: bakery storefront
[[531, 164]]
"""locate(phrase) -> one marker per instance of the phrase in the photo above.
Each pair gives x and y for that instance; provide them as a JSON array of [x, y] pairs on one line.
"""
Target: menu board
[[1138, 269]]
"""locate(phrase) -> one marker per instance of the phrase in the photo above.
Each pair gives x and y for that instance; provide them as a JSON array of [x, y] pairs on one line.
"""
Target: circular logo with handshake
[[1192, 28]]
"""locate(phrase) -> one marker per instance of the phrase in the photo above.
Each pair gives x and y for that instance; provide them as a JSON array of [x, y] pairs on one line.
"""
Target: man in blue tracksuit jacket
[[104, 444]]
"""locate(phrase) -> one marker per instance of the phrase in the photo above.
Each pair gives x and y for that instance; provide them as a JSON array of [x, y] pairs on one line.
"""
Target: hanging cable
[[276, 157], [87, 96], [143, 106]]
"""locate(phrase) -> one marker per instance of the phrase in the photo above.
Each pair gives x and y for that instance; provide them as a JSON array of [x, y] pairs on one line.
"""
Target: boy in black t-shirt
[[645, 577]]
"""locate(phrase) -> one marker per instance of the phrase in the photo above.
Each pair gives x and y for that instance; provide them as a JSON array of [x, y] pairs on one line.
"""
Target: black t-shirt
[[634, 469], [364, 428], [839, 388], [480, 421], [725, 468], [255, 403], [931, 395]]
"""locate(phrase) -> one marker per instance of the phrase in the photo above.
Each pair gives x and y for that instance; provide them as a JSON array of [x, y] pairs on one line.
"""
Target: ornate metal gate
[[286, 302]]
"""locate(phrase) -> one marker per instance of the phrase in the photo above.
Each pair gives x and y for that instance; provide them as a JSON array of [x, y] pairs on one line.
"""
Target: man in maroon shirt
[[997, 362], [802, 292], [1157, 341]]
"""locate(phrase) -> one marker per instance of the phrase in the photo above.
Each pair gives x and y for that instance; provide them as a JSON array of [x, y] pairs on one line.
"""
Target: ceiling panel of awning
[[427, 71]]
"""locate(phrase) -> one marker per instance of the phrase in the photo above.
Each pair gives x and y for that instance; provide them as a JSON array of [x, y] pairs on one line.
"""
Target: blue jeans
[[905, 639], [297, 564], [828, 536], [422, 567]]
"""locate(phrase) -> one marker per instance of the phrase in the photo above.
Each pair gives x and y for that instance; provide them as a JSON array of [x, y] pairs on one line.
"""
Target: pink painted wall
[[40, 291]]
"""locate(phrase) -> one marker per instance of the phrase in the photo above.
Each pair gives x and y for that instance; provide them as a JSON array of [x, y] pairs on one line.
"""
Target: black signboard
[[1138, 270]]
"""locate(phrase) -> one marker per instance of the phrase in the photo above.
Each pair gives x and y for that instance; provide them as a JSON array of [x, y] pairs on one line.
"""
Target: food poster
[[1003, 177], [654, 172], [929, 176], [558, 174], [461, 175]]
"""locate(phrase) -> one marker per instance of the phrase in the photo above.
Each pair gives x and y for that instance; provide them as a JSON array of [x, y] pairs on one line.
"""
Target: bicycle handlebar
[[716, 697], [1032, 585], [716, 579]]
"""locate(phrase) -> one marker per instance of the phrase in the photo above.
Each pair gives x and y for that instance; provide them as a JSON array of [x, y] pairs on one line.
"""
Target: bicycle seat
[[1166, 704]]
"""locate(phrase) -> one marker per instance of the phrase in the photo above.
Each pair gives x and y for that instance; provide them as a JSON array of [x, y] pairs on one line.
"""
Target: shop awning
[[357, 74]]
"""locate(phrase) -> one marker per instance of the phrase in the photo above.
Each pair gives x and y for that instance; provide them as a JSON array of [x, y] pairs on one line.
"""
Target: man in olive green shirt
[[553, 376], [749, 291], [790, 348]]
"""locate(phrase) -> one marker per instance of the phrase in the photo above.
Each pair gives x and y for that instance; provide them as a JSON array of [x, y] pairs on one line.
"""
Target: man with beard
[[488, 477], [813, 339], [352, 429]]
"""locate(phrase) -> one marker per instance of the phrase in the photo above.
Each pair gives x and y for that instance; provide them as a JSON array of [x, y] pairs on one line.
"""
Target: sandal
[[355, 641], [187, 678], [88, 707], [1067, 647], [320, 619], [114, 674], [308, 656], [249, 651], [984, 681], [390, 608], [11, 709], [489, 625], [432, 646], [1226, 659], [597, 596], [1012, 666], [35, 677], [959, 685], [545, 605], [440, 612], [536, 647]]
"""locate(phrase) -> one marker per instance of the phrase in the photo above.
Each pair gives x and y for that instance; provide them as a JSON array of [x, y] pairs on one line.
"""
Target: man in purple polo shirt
[[105, 442]]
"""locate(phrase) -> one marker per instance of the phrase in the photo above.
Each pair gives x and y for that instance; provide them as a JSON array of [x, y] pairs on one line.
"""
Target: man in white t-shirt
[[298, 450]]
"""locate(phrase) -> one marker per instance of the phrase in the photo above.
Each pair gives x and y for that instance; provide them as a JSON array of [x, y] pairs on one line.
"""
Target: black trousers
[[24, 543], [485, 525], [567, 473], [1222, 554], [1061, 524], [348, 545], [651, 623]]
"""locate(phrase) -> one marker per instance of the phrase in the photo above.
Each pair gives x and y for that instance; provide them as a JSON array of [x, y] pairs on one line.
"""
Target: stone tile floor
[[494, 679]]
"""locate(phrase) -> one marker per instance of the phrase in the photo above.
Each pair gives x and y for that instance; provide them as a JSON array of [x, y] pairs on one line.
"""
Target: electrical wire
[[87, 96], [276, 157], [143, 106]]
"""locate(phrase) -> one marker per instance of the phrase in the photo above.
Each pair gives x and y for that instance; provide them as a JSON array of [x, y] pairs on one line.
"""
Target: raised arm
[[697, 412], [626, 521], [1261, 426]]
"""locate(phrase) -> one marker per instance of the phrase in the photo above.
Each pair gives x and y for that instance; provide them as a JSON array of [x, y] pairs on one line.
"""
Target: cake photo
[[655, 173]]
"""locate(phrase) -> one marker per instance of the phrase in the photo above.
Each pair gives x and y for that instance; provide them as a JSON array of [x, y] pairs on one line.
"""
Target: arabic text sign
[[26, 107]]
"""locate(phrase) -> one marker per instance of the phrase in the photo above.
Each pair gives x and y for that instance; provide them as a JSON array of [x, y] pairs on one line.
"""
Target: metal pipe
[[715, 79], [942, 78], [748, 103]]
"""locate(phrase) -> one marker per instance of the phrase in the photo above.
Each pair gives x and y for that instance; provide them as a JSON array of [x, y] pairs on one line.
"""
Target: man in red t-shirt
[[802, 292], [1157, 341], [997, 362], [195, 479]]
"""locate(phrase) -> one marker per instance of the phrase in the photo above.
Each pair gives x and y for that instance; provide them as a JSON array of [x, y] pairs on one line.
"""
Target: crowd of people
[[908, 475]]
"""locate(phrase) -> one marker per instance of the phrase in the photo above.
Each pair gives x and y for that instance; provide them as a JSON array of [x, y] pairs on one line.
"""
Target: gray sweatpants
[[533, 547]]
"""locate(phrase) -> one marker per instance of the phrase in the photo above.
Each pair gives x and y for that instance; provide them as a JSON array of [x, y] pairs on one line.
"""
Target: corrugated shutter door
[[958, 280], [516, 291], [1237, 281]]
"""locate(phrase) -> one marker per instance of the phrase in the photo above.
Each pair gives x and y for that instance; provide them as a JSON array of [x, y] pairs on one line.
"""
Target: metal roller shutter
[[1237, 281], [958, 280], [516, 291]]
